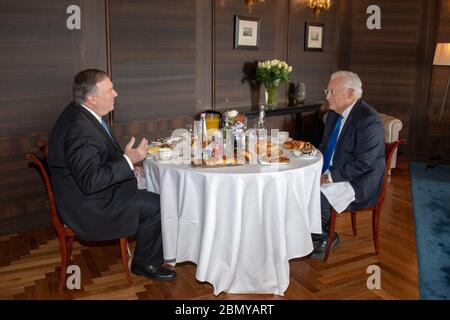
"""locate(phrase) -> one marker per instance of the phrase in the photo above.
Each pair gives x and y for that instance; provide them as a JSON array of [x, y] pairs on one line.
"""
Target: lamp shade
[[442, 55]]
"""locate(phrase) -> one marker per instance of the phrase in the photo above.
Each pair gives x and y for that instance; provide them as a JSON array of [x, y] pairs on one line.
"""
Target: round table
[[240, 225]]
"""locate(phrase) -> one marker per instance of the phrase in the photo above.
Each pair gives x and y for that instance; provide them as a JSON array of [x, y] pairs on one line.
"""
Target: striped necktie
[[331, 146]]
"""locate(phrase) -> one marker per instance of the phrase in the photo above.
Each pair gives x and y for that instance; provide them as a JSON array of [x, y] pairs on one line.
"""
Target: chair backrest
[[43, 168], [389, 151]]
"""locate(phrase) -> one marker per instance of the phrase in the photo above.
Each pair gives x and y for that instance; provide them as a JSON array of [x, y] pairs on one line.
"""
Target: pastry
[[247, 155], [289, 145]]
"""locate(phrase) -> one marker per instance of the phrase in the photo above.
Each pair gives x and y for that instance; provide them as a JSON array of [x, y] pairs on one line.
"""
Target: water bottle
[[261, 124]]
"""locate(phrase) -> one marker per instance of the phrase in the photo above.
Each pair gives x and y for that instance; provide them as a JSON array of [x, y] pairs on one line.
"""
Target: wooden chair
[[65, 234], [376, 209]]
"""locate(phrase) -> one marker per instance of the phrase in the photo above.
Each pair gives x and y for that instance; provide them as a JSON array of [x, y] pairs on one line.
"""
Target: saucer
[[299, 154], [158, 159]]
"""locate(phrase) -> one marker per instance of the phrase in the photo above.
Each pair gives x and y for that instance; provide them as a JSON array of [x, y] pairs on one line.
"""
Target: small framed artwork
[[314, 36], [246, 33]]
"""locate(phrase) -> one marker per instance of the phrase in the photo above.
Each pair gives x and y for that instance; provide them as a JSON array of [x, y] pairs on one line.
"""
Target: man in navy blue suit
[[353, 149]]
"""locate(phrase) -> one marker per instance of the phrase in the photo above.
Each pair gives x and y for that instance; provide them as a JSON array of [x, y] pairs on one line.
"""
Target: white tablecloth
[[240, 225]]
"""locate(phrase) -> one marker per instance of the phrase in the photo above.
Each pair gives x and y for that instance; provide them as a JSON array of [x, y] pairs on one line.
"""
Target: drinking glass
[[212, 121]]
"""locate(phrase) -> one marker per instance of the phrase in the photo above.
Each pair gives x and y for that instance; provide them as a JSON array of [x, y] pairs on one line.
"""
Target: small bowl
[[165, 153], [283, 136]]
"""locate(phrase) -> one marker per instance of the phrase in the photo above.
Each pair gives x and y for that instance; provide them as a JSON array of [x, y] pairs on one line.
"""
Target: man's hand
[[139, 171], [136, 154], [324, 179]]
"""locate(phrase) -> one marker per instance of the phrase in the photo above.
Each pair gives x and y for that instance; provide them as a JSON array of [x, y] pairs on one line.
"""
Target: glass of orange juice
[[212, 121]]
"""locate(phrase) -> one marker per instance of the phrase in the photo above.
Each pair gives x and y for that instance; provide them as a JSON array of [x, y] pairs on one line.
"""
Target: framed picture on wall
[[314, 36], [246, 33]]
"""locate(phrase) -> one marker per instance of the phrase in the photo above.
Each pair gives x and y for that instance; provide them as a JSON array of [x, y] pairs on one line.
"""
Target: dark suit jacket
[[92, 181], [359, 154]]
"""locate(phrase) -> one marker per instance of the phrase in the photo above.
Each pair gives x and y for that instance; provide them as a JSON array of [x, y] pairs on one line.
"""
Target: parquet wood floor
[[29, 264]]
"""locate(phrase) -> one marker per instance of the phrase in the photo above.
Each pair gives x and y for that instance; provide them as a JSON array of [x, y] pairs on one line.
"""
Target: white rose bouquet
[[272, 73]]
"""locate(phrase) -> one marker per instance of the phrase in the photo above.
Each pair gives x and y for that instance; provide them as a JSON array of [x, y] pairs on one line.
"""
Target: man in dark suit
[[93, 179], [353, 149]]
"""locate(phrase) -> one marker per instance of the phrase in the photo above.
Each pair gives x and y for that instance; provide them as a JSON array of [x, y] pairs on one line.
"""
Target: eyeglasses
[[330, 91], [334, 91]]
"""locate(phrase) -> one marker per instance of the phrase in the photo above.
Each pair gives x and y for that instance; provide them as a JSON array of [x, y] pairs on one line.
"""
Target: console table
[[285, 109]]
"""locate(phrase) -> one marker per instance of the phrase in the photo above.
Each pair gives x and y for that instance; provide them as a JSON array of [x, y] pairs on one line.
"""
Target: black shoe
[[153, 272], [321, 247], [316, 238]]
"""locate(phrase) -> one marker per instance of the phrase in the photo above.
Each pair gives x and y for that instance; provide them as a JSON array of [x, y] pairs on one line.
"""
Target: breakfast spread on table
[[266, 153], [228, 146]]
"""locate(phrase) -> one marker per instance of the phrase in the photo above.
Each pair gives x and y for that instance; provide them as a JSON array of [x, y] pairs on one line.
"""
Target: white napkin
[[141, 182], [339, 194]]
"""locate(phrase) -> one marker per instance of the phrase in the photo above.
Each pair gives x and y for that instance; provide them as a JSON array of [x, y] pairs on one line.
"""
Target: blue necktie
[[331, 144], [106, 127]]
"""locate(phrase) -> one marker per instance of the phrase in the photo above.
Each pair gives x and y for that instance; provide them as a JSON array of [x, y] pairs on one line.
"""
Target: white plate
[[299, 154], [157, 159], [307, 156], [265, 163]]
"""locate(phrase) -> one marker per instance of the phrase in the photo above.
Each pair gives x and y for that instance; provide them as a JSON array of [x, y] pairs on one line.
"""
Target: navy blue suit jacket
[[359, 155]]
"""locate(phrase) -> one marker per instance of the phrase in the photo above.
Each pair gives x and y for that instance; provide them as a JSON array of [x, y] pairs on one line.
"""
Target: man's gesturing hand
[[324, 179], [136, 154]]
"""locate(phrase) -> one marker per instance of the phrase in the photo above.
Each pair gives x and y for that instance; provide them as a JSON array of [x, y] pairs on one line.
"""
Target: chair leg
[[376, 227], [125, 257], [354, 223], [63, 252], [69, 249], [330, 234]]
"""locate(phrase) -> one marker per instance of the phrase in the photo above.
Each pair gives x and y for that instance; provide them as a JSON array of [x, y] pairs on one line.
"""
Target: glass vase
[[271, 95], [225, 126]]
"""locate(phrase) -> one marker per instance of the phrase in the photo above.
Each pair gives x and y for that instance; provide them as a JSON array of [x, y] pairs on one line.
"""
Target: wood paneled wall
[[386, 59], [169, 59], [153, 64], [153, 58], [235, 69], [38, 59], [394, 62], [440, 130], [282, 25], [312, 67]]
